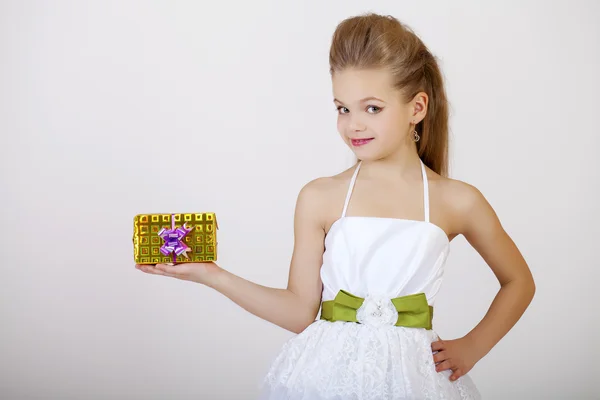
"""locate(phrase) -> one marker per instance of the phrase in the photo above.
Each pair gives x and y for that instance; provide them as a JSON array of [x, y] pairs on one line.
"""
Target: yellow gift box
[[175, 238]]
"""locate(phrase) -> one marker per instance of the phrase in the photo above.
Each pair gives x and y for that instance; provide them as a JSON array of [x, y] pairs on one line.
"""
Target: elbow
[[528, 289], [304, 322], [305, 314], [302, 325], [297, 329], [524, 286], [532, 290]]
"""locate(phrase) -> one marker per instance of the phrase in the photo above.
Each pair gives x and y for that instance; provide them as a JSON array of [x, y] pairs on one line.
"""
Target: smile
[[360, 142]]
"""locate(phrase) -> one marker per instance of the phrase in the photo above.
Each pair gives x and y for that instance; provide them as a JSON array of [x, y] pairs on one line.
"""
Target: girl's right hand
[[204, 273]]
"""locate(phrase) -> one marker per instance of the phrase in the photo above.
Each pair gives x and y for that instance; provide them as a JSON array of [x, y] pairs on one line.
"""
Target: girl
[[370, 244]]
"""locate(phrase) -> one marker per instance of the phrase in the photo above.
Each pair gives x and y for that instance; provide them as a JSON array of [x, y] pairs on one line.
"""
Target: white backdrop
[[113, 108]]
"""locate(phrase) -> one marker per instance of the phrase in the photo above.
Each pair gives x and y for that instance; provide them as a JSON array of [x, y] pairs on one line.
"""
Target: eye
[[340, 108], [377, 109]]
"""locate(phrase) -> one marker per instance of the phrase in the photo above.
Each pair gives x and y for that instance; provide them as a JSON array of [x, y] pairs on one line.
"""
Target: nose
[[356, 125]]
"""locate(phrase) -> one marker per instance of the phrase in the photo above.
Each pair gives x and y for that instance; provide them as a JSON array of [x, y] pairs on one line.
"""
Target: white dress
[[371, 359]]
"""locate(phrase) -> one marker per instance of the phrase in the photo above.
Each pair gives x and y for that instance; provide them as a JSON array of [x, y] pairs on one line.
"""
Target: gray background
[[113, 108]]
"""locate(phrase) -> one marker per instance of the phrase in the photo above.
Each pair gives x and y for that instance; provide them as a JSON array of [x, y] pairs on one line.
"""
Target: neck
[[402, 164]]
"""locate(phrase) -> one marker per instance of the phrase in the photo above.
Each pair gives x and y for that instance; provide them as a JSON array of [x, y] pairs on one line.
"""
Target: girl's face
[[372, 118]]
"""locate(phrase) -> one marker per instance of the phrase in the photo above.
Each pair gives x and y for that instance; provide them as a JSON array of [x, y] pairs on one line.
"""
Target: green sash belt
[[413, 309]]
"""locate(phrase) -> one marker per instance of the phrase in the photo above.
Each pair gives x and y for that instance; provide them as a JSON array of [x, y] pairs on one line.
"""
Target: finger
[[444, 365], [440, 356], [145, 267], [169, 269], [438, 345], [457, 373], [152, 269]]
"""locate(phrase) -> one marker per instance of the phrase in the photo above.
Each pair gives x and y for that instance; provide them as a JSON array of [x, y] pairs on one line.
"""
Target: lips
[[360, 141]]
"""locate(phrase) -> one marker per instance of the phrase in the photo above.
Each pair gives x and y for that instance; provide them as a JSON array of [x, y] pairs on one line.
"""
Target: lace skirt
[[349, 361]]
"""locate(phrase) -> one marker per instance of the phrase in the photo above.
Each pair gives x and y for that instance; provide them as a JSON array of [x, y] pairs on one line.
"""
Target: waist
[[408, 311]]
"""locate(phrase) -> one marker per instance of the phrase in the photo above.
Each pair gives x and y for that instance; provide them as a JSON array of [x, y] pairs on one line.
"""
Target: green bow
[[413, 309]]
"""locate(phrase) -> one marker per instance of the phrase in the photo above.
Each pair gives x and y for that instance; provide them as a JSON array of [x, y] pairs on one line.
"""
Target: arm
[[295, 307], [476, 220], [483, 230]]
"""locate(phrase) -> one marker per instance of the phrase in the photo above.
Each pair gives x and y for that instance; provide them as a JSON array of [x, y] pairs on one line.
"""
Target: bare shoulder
[[323, 197], [463, 206], [461, 195], [474, 217]]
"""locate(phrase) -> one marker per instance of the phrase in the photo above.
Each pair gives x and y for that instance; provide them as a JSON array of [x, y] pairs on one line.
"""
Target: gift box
[[175, 238]]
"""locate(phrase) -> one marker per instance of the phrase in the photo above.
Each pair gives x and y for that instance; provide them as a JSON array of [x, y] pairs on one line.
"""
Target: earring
[[415, 134]]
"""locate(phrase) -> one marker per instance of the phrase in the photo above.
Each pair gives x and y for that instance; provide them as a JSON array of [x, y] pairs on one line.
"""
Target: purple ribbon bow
[[174, 240]]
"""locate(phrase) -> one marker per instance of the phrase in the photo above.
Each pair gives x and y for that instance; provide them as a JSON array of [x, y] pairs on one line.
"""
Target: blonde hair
[[378, 41]]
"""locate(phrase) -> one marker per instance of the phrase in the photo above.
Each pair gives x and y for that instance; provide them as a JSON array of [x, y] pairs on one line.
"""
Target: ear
[[419, 107]]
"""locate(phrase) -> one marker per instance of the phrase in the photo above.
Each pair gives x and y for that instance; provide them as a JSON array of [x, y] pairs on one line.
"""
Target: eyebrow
[[363, 100]]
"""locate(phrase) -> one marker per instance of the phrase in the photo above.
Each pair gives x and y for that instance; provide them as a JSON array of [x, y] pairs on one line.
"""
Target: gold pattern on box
[[201, 240]]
